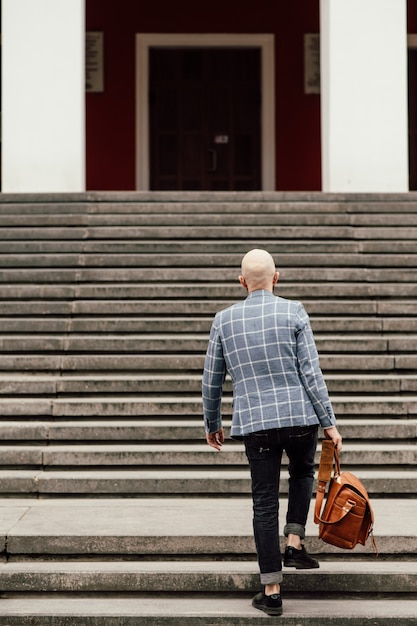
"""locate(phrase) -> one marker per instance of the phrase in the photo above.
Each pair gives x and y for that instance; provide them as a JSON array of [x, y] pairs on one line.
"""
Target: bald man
[[280, 399]]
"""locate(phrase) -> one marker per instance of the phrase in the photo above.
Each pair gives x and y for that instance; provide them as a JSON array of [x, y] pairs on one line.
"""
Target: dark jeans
[[264, 451]]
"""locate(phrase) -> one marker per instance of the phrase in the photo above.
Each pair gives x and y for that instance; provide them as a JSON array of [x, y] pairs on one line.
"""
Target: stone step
[[36, 306], [216, 215], [134, 528], [186, 343], [191, 610], [122, 384], [56, 325], [177, 406], [221, 231], [290, 264], [195, 213], [213, 482], [100, 200], [212, 213], [195, 276], [163, 430], [367, 307], [205, 576], [187, 363], [229, 292], [124, 197], [187, 328], [185, 325], [145, 455], [158, 251], [366, 406]]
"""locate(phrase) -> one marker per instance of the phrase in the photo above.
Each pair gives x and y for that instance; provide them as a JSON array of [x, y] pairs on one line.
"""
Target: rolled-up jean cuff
[[272, 578], [294, 529]]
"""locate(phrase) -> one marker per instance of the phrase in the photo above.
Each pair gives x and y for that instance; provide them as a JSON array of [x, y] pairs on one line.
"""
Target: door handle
[[213, 154]]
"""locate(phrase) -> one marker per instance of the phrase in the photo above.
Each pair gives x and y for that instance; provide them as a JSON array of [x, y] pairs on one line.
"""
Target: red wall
[[110, 116], [412, 16]]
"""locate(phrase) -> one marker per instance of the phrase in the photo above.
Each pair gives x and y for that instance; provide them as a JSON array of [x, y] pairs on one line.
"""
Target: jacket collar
[[260, 293]]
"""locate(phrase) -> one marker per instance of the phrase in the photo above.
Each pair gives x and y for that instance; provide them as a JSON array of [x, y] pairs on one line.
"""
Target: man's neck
[[251, 290]]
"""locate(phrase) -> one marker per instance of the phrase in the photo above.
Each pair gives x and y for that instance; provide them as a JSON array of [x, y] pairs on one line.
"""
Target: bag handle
[[329, 454]]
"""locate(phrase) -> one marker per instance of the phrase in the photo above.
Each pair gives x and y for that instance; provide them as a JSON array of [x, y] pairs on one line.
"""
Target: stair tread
[[161, 483], [169, 376], [206, 577], [198, 447], [186, 423], [169, 399], [167, 474], [337, 568], [178, 430], [169, 516], [81, 259], [192, 610], [152, 376]]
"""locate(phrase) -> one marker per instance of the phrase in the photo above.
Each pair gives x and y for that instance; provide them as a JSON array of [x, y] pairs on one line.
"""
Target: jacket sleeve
[[213, 379], [310, 372]]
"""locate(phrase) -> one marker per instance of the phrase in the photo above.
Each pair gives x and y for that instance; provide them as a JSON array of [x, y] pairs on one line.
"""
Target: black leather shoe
[[271, 605], [299, 559]]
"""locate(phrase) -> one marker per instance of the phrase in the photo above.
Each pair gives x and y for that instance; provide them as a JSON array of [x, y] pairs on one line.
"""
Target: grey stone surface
[[36, 383], [179, 406], [179, 429], [186, 454], [203, 577], [118, 525], [147, 517], [107, 299], [139, 482], [211, 610], [113, 254]]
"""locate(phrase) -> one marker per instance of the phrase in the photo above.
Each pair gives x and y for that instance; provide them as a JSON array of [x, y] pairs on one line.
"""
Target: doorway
[[205, 118], [412, 117], [236, 121]]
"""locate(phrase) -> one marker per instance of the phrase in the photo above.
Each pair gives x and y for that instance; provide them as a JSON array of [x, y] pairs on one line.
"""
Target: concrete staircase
[[113, 510]]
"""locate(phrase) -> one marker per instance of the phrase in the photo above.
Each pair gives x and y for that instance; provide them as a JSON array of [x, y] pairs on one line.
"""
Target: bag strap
[[328, 455]]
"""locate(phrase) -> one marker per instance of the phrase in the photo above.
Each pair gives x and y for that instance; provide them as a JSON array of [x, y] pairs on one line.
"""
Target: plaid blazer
[[267, 346]]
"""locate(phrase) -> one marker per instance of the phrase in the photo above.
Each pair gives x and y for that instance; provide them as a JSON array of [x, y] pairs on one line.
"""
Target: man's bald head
[[258, 270]]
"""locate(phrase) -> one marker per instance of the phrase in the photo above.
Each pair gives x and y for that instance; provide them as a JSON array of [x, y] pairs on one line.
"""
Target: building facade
[[160, 95]]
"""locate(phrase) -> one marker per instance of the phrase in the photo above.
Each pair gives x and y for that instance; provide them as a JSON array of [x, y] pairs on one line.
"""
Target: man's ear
[[276, 278], [243, 282]]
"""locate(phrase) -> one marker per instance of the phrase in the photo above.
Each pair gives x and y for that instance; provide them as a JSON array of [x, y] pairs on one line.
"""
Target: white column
[[43, 102], [364, 95]]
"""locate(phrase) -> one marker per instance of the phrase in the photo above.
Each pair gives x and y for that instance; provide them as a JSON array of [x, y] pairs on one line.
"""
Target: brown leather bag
[[347, 518]]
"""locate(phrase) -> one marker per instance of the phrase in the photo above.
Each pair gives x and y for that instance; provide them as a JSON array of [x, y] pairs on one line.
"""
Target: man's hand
[[216, 440], [333, 434]]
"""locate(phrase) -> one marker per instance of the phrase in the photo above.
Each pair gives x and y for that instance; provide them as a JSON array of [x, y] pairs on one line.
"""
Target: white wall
[[43, 119], [364, 88]]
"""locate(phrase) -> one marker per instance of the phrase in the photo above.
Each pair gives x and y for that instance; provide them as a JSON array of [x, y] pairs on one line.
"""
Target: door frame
[[265, 42]]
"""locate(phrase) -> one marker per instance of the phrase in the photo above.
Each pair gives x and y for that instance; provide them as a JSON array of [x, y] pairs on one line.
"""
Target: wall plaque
[[94, 53], [312, 63]]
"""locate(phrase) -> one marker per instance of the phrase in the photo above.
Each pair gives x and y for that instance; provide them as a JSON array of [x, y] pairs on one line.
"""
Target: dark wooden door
[[412, 117], [205, 118]]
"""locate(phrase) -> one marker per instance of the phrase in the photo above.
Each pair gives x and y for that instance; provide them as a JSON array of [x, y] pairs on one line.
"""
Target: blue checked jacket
[[267, 346]]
